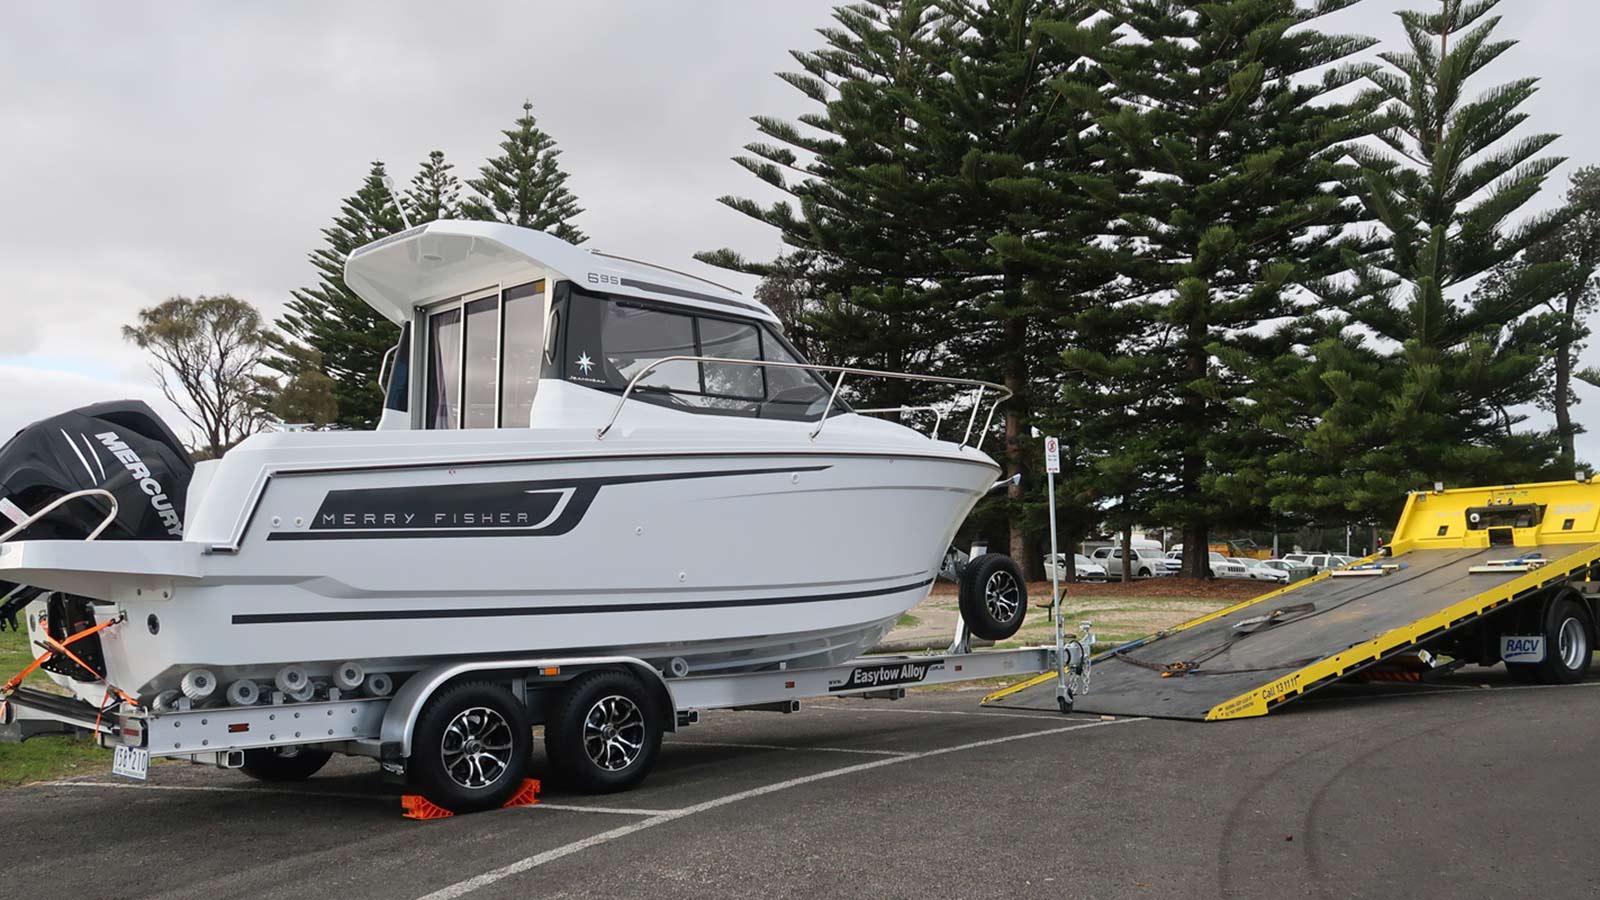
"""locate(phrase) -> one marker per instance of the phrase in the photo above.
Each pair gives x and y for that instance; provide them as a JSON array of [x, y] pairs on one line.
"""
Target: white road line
[[212, 789], [617, 811], [461, 888], [787, 747]]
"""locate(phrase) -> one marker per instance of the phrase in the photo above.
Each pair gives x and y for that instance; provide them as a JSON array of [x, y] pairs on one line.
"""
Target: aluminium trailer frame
[[382, 727]]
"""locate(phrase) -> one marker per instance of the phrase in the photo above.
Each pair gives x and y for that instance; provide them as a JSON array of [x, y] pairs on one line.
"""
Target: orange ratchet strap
[[53, 647]]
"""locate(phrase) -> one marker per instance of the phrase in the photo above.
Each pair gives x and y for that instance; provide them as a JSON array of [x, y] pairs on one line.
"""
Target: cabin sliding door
[[522, 311], [444, 361], [483, 357]]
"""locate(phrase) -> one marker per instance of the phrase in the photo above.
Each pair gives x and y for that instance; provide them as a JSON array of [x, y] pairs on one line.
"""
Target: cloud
[[32, 394]]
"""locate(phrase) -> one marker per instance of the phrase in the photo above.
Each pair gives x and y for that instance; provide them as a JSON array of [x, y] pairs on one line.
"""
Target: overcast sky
[[149, 149]]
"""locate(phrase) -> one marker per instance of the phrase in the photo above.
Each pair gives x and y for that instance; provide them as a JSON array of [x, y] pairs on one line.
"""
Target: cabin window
[[633, 338], [397, 389], [523, 312], [609, 341], [444, 361], [480, 361], [483, 359]]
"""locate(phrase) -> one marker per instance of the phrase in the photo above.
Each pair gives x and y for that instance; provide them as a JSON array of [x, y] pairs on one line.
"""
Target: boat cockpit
[[474, 357]]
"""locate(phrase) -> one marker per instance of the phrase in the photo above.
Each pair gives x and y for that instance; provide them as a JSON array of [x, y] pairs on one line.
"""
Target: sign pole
[[1052, 465]]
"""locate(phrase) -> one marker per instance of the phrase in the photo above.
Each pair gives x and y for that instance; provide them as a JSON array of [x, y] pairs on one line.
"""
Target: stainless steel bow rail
[[938, 415], [979, 389]]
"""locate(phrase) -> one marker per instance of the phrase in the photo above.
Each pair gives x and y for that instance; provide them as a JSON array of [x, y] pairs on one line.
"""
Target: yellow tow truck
[[1474, 576]]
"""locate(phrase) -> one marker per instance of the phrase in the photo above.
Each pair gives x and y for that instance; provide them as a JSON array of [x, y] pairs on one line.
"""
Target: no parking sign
[[1052, 456]]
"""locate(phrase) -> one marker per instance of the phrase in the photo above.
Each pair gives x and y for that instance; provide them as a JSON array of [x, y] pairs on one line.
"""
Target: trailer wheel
[[471, 746], [1568, 649], [604, 732], [994, 596], [284, 763]]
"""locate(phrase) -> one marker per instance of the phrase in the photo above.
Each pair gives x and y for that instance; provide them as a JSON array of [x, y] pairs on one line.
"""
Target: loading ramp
[[1460, 558]]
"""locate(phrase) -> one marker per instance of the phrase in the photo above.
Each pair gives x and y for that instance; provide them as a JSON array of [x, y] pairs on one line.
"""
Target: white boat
[[579, 454]]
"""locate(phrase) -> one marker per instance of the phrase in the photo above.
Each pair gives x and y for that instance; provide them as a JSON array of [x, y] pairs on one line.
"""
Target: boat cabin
[[490, 311]]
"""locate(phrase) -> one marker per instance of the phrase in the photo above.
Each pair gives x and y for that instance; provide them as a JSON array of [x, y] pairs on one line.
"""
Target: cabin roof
[[447, 257]]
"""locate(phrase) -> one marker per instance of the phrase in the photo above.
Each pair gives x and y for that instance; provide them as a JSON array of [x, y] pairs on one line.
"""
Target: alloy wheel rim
[[1573, 643], [476, 747], [1001, 596], [613, 733]]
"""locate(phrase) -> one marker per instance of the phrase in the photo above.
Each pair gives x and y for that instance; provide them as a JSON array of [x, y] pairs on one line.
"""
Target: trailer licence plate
[[1522, 648], [131, 762]]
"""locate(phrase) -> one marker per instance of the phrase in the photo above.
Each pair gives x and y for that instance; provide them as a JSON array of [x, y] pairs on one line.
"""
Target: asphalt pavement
[[1477, 788]]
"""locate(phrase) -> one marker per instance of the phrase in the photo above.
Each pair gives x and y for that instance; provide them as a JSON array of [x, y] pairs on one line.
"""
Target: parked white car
[[1086, 568], [1296, 571], [1223, 567], [1143, 562], [1322, 562], [1260, 571]]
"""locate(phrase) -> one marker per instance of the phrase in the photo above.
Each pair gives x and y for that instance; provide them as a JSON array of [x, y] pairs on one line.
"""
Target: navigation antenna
[[394, 196]]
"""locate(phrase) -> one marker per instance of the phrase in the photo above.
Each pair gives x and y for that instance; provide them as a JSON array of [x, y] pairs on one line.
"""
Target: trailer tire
[[284, 763], [603, 733], [471, 745]]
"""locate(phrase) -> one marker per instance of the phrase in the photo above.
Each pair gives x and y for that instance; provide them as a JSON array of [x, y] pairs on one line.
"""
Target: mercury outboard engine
[[122, 447]]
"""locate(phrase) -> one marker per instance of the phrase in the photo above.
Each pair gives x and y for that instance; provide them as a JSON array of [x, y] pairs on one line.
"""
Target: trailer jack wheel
[[470, 748]]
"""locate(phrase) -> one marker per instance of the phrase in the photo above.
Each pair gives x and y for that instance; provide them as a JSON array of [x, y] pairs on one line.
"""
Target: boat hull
[[730, 561]]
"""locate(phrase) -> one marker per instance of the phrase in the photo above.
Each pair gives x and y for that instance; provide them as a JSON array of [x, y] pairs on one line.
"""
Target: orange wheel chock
[[527, 795], [421, 808]]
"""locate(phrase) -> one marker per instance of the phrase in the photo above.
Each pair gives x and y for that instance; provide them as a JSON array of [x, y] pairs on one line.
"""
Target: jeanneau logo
[[585, 363]]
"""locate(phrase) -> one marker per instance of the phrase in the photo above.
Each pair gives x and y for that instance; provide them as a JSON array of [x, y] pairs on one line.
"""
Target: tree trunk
[[1127, 553], [1017, 443], [1196, 535], [1569, 456]]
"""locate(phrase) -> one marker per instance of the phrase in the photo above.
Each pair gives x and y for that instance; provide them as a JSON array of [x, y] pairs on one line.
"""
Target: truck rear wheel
[[604, 732], [1568, 645], [471, 746]]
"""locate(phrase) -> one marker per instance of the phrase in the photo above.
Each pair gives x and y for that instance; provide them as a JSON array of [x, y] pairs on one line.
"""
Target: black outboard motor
[[122, 447]]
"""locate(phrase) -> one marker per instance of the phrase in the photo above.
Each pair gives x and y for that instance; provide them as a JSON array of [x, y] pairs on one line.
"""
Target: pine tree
[[1575, 252], [525, 184], [1021, 266], [331, 320], [435, 191], [862, 225], [1232, 230], [936, 217], [1442, 363]]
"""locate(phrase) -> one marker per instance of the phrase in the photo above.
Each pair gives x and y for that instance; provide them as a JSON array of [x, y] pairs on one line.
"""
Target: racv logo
[[131, 460]]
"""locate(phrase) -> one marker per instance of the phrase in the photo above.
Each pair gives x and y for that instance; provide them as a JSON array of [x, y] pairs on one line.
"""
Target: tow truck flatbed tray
[[1325, 629]]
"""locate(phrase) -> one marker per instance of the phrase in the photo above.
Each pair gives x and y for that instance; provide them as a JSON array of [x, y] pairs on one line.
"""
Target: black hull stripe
[[491, 612], [350, 534]]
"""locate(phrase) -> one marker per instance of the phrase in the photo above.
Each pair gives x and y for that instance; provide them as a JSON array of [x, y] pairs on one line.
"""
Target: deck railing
[[979, 390]]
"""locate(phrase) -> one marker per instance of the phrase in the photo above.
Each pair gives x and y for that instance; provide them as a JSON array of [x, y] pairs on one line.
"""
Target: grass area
[[47, 757], [15, 653], [907, 620]]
